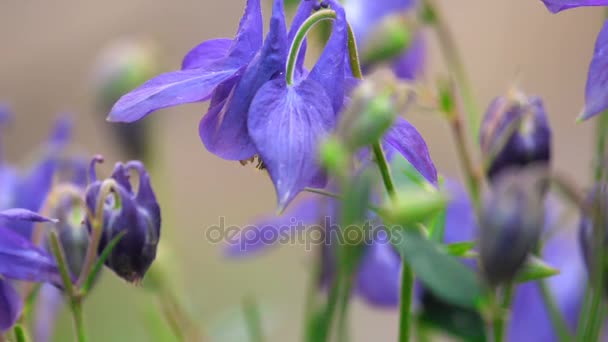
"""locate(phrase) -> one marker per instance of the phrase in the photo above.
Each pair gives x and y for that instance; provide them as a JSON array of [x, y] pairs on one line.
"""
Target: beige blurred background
[[47, 52]]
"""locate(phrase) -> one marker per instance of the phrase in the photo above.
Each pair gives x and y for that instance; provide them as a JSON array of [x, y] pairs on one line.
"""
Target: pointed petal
[[224, 133], [207, 53], [560, 5], [12, 215], [170, 89], [596, 92], [329, 70], [11, 305], [410, 65], [21, 260], [286, 124], [378, 280], [250, 34], [268, 231], [405, 139]]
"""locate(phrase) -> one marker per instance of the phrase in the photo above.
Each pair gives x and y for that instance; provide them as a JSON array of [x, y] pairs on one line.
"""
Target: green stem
[[407, 291], [559, 322], [385, 170], [601, 137], [254, 320], [76, 306], [70, 290], [307, 25], [454, 63], [500, 321], [345, 289]]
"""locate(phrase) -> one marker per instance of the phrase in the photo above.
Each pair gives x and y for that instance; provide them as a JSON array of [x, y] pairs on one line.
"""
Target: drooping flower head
[[136, 214]]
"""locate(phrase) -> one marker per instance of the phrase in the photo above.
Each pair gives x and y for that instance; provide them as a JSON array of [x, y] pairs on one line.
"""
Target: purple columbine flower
[[364, 15], [138, 215], [29, 188], [20, 259]]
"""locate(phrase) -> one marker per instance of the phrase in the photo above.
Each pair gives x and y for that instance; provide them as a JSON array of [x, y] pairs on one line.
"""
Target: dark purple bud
[[515, 132], [593, 241], [511, 223], [137, 214]]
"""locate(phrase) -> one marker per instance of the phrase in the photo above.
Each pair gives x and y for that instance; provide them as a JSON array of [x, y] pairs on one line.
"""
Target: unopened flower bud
[[389, 39], [375, 104], [591, 240], [515, 132], [511, 224], [72, 233], [122, 66], [138, 216]]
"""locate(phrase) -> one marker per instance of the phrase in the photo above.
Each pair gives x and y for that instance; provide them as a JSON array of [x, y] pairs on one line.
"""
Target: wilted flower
[[137, 214], [511, 225], [20, 259], [515, 132]]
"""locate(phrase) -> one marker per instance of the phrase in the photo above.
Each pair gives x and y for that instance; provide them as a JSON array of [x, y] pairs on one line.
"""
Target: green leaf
[[444, 275], [413, 206], [535, 269], [460, 249], [90, 280], [20, 335]]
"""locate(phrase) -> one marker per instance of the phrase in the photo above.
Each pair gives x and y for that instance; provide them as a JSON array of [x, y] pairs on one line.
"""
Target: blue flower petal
[[12, 215], [224, 133], [11, 305], [20, 259], [405, 139], [48, 308], [171, 89], [560, 5], [207, 53], [268, 231], [410, 65], [249, 37], [378, 280], [596, 93], [329, 70], [286, 124]]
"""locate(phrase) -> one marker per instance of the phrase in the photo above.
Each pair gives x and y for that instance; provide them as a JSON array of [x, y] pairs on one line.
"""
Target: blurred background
[[48, 53]]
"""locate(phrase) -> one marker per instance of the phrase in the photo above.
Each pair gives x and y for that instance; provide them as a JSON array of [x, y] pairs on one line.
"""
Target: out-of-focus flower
[[511, 225], [529, 320], [123, 65], [515, 132], [597, 202], [596, 91], [364, 16], [137, 215], [29, 188], [20, 259]]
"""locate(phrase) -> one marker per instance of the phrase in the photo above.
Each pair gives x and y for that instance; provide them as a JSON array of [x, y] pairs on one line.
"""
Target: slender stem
[[600, 155], [407, 291], [71, 291], [254, 320], [345, 288], [307, 25], [330, 307], [76, 306], [559, 322], [454, 62], [500, 321], [466, 160], [96, 219], [385, 170], [311, 299]]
